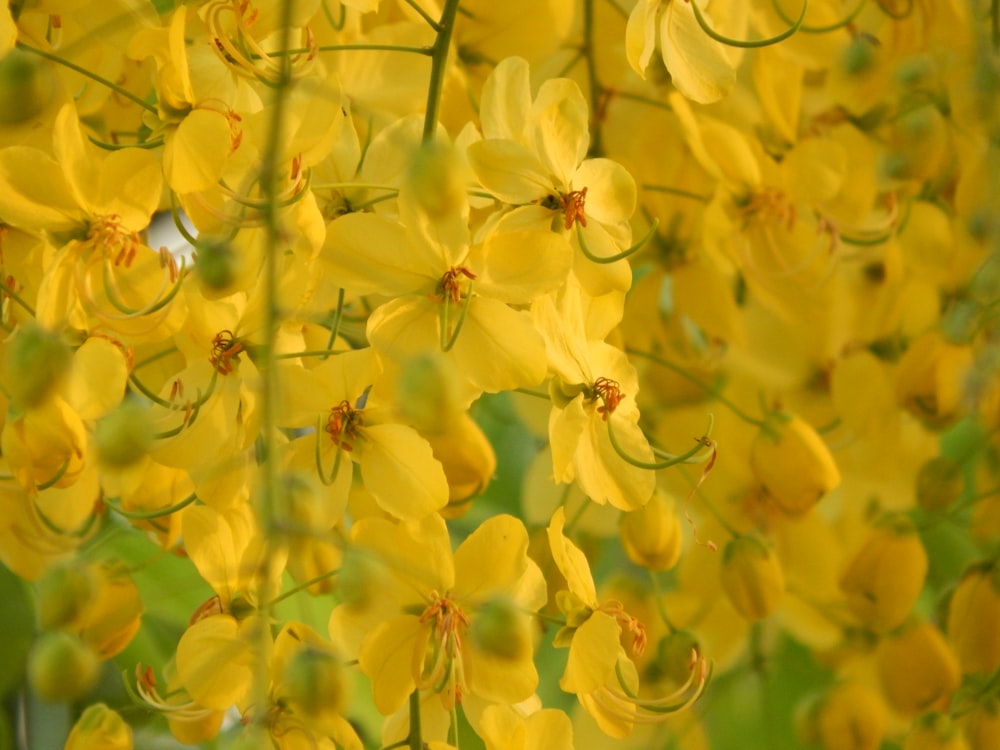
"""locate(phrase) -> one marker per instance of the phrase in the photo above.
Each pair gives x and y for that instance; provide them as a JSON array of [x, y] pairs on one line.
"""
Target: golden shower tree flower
[[699, 66], [533, 158], [448, 293], [421, 634]]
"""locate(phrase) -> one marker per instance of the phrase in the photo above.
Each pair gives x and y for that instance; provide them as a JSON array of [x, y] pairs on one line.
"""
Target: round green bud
[[437, 177], [64, 593], [675, 656], [35, 362], [217, 265], [501, 629], [61, 667], [429, 392], [313, 682], [939, 484], [124, 436], [859, 56], [26, 87]]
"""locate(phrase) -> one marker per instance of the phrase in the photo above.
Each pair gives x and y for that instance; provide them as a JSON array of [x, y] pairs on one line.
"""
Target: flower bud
[[313, 681], [917, 670], [675, 656], [934, 731], [468, 460], [795, 466], [100, 728], [982, 725], [652, 535], [429, 393], [939, 484], [26, 86], [500, 629], [61, 667], [752, 577], [124, 436], [437, 178], [885, 577], [849, 717], [112, 618], [64, 593], [930, 377], [34, 365], [217, 265], [973, 624]]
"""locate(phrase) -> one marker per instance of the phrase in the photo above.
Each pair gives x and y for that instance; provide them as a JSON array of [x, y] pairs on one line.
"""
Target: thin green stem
[[416, 737], [678, 191], [536, 394], [596, 91], [643, 100], [439, 59], [605, 260], [424, 15], [658, 598], [151, 514], [700, 18], [713, 392], [153, 357], [92, 76], [689, 457], [155, 143], [352, 48], [845, 21], [7, 291], [302, 586]]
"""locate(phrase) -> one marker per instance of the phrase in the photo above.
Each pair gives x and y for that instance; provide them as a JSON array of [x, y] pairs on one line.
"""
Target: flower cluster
[[358, 357]]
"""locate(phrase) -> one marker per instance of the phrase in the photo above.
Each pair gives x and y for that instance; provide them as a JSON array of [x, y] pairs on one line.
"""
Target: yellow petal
[[572, 563], [391, 656], [592, 655], [698, 65], [399, 469]]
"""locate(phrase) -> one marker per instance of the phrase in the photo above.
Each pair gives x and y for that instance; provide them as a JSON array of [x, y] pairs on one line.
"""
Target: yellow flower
[[699, 66], [100, 728], [885, 577], [652, 535], [420, 630], [794, 465], [917, 670], [973, 612], [752, 577]]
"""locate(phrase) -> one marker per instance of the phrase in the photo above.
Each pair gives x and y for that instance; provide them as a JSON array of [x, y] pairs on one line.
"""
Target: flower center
[[118, 242], [573, 204], [450, 286], [343, 421], [610, 394], [769, 205], [443, 668], [225, 349], [627, 622]]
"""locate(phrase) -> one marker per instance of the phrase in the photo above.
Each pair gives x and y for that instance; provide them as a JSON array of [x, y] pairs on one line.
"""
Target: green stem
[[92, 76], [16, 297], [415, 738], [302, 586], [689, 457], [756, 42], [424, 15], [677, 191], [439, 59], [149, 515], [352, 48], [714, 393], [605, 260], [596, 91], [845, 21]]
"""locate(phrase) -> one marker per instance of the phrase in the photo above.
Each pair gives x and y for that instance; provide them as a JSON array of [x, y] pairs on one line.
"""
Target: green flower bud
[[26, 86], [61, 667], [313, 682], [35, 362], [64, 593], [429, 393], [939, 484], [752, 577], [438, 180], [217, 265], [675, 656], [499, 628], [124, 436]]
